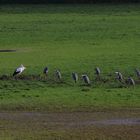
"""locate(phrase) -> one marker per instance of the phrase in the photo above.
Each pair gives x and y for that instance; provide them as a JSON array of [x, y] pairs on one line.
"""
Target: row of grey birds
[[85, 77]]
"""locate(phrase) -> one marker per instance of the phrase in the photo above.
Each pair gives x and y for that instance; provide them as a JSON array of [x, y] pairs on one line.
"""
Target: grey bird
[[131, 81], [119, 76], [46, 70], [97, 71], [138, 73], [58, 75], [86, 79], [75, 77]]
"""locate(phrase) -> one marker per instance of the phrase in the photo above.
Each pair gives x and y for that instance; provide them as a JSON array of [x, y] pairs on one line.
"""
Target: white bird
[[19, 70], [75, 76], [46, 70], [86, 79], [58, 74]]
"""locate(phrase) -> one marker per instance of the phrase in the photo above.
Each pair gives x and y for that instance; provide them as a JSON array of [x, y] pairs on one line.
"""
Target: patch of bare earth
[[119, 124]]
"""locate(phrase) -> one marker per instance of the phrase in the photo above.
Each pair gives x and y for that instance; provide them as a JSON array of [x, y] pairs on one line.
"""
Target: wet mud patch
[[76, 119], [114, 125]]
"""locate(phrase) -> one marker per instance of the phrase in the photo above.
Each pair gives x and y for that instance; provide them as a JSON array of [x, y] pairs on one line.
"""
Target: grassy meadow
[[72, 38]]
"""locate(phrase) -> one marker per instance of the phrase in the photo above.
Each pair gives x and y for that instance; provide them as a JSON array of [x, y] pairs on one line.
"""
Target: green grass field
[[72, 38]]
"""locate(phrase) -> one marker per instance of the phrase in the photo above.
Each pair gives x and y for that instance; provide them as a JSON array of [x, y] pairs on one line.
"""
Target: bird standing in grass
[[131, 81], [86, 79], [75, 76], [138, 73], [45, 71], [119, 76], [58, 74], [97, 72], [19, 70]]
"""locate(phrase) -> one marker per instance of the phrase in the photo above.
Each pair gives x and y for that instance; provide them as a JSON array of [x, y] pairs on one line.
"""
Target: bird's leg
[[99, 78], [16, 78]]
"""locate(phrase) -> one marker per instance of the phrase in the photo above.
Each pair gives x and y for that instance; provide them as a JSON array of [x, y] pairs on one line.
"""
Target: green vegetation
[[71, 38]]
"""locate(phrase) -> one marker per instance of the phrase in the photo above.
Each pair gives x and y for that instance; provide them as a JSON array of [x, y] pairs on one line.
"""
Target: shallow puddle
[[74, 119]]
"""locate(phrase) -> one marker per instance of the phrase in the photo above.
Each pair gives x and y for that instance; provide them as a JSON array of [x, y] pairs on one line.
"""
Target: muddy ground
[[107, 124]]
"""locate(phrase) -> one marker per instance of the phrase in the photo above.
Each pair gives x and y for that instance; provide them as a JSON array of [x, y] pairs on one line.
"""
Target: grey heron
[[119, 76], [86, 79], [46, 70], [131, 81], [75, 76], [138, 73], [97, 71], [58, 74]]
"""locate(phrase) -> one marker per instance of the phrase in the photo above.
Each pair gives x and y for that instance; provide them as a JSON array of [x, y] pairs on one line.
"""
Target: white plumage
[[19, 70]]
